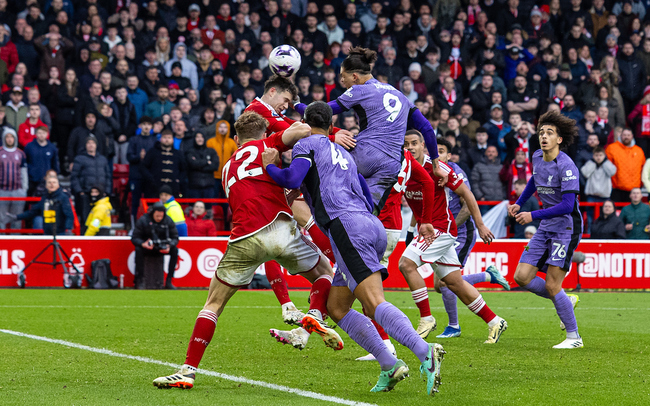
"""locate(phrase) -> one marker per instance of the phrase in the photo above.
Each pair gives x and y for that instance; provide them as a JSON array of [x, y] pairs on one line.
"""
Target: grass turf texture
[[521, 369]]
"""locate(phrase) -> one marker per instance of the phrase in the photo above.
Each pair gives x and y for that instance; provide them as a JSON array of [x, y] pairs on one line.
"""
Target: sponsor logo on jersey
[[415, 195], [545, 190], [569, 176], [615, 265]]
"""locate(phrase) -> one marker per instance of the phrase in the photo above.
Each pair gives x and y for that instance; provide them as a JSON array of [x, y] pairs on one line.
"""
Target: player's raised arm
[[419, 122], [289, 178], [295, 133], [467, 195]]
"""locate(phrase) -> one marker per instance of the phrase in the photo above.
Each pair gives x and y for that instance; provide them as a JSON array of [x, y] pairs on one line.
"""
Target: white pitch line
[[241, 379], [275, 307]]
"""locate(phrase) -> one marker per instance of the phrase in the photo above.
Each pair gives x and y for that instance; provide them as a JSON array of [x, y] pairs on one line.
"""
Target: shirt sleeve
[[454, 181], [275, 141], [350, 98], [569, 178], [302, 150]]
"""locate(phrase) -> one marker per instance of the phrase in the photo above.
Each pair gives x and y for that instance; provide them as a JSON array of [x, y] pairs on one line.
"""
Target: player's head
[[279, 92], [250, 126], [414, 143], [318, 115], [357, 66], [444, 150], [556, 131]]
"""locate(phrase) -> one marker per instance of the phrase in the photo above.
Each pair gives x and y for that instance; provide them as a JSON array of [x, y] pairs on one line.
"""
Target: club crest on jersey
[[550, 178]]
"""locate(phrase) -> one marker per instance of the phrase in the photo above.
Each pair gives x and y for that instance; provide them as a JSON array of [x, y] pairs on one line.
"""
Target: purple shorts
[[380, 174], [552, 249], [358, 242], [465, 241]]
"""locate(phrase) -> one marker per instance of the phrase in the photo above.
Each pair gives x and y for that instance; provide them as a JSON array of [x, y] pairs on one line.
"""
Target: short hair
[[319, 115], [565, 127], [281, 84], [166, 131], [521, 182], [244, 69], [599, 149], [250, 125], [445, 143], [481, 130], [415, 132], [42, 128]]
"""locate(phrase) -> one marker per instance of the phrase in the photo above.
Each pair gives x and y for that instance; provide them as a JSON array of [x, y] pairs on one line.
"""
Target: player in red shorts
[[279, 93], [263, 230]]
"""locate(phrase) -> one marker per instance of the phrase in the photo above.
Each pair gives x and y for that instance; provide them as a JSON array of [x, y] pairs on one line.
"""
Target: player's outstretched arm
[[420, 123], [295, 133], [291, 177], [483, 232], [336, 107]]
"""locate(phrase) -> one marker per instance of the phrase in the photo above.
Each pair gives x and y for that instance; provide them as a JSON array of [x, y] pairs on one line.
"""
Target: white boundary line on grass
[[281, 388], [198, 307]]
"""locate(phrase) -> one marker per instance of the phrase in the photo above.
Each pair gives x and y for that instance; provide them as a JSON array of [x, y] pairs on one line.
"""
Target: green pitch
[[522, 368]]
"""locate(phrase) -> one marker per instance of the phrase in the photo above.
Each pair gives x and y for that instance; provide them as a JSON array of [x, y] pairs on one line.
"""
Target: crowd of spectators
[[157, 85]]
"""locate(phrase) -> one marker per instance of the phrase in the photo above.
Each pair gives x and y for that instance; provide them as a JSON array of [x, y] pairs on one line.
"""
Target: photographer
[[54, 200], [155, 234]]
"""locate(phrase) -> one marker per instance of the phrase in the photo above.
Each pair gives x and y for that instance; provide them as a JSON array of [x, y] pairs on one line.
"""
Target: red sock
[[481, 309], [382, 333], [320, 239], [276, 278], [320, 291], [421, 299], [203, 331]]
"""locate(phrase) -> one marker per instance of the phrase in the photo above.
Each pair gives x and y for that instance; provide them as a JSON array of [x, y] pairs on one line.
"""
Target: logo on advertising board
[[615, 265], [11, 261], [208, 261]]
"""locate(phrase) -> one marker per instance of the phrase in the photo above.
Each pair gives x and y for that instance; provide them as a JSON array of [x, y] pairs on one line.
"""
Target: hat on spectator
[[173, 85], [496, 106], [565, 67], [611, 36], [646, 91], [516, 26], [17, 89], [530, 229], [545, 9], [91, 138], [535, 12], [93, 39], [177, 65], [194, 7], [99, 188], [166, 189], [415, 66]]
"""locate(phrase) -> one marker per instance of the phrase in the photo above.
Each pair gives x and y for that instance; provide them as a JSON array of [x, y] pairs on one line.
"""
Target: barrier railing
[[186, 201], [75, 230]]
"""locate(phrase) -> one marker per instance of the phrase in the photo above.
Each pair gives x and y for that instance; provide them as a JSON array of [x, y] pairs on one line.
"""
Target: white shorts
[[441, 254], [280, 241], [392, 237]]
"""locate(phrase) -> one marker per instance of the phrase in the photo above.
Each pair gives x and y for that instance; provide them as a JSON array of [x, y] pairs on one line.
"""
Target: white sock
[[488, 277], [419, 295], [572, 335], [494, 321], [456, 326], [316, 313], [189, 367], [427, 318], [390, 346]]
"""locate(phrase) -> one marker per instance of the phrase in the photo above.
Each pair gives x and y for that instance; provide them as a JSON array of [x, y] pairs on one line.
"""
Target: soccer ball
[[284, 60]]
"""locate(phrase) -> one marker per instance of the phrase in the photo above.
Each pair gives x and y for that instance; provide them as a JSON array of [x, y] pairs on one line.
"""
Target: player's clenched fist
[[270, 156], [513, 209]]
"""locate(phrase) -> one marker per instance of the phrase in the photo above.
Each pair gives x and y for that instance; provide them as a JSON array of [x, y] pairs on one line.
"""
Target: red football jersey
[[277, 121], [441, 217], [254, 198], [391, 214]]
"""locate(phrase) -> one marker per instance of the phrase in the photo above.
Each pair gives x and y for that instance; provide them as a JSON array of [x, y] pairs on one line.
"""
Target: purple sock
[[538, 287], [564, 309], [398, 326], [361, 330], [449, 299], [475, 278]]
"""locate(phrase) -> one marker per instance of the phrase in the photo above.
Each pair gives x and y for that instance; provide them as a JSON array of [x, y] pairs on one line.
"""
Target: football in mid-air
[[284, 60]]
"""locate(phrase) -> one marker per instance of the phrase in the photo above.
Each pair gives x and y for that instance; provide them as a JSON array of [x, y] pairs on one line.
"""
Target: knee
[[521, 278], [335, 312], [553, 287], [406, 266]]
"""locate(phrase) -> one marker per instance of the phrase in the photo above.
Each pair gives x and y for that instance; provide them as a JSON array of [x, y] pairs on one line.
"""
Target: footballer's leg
[[419, 293], [235, 270], [302, 215], [275, 276], [564, 307]]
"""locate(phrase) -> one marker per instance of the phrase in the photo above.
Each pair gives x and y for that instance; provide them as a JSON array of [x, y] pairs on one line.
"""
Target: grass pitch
[[522, 368]]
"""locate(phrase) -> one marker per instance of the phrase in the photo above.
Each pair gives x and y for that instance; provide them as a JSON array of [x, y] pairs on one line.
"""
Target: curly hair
[[565, 127], [360, 60]]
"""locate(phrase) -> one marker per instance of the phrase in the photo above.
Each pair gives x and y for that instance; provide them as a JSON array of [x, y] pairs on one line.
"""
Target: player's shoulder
[[566, 166], [261, 108], [537, 154]]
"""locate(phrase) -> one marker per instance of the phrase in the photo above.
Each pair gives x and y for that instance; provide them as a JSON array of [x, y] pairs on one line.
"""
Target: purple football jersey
[[383, 114], [552, 180], [332, 183]]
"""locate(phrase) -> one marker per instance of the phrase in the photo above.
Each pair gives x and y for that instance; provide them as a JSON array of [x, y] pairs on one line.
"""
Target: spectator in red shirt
[[27, 130], [199, 223], [8, 50], [211, 32]]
